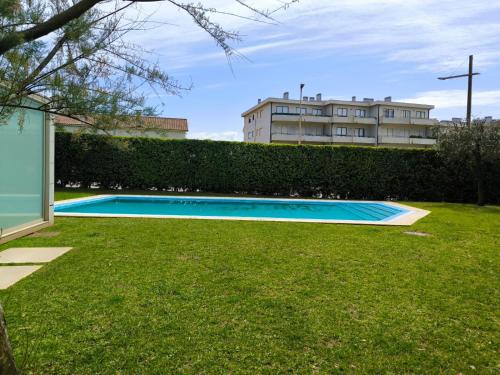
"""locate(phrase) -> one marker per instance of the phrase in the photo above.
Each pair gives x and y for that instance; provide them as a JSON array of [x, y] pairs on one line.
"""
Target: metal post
[[300, 113]]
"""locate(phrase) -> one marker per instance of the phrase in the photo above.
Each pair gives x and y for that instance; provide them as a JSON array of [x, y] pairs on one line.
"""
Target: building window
[[302, 111], [360, 113], [282, 109], [342, 112], [317, 112], [249, 120], [360, 132], [250, 134], [420, 114], [389, 113], [260, 113], [406, 113], [253, 117], [341, 131]]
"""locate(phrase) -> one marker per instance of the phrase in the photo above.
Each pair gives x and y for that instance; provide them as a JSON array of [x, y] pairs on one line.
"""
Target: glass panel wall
[[21, 169]]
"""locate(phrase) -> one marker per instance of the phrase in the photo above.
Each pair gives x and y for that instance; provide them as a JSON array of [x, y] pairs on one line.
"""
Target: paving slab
[[32, 254], [9, 275]]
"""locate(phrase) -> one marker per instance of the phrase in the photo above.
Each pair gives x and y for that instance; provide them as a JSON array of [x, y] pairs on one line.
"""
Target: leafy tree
[[75, 53], [474, 148]]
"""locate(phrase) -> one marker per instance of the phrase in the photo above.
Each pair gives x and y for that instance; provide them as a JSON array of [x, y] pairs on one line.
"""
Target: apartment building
[[358, 122], [487, 120]]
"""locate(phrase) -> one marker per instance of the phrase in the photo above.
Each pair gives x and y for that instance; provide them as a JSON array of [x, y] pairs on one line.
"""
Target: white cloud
[[428, 35], [217, 136], [455, 98]]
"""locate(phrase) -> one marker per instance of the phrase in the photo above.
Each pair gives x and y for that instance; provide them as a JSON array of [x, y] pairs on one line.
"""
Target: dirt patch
[[45, 234]]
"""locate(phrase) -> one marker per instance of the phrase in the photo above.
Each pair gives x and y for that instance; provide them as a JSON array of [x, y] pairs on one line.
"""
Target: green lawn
[[201, 296]]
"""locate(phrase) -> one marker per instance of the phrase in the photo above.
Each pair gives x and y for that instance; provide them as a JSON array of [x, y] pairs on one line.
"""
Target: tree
[[474, 148], [75, 53], [7, 364]]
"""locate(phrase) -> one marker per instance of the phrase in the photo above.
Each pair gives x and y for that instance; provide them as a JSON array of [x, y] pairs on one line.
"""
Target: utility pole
[[300, 113], [469, 87]]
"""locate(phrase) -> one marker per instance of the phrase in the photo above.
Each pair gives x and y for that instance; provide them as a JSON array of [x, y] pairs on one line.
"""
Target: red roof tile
[[151, 122]]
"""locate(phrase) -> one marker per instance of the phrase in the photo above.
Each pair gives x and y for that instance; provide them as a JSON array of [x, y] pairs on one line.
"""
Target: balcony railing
[[324, 137], [411, 140], [297, 114], [305, 118], [408, 120], [305, 138]]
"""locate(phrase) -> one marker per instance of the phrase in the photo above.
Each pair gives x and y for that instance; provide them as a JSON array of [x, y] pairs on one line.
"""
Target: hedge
[[233, 167]]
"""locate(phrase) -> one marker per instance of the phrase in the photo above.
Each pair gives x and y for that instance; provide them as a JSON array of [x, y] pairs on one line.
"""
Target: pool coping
[[407, 218]]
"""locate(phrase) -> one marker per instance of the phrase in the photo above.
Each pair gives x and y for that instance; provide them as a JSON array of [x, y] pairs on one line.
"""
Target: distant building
[[459, 120], [152, 127], [359, 122]]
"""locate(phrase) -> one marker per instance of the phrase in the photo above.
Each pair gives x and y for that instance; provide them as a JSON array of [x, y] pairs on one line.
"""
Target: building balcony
[[293, 138], [352, 139], [408, 121], [424, 121], [348, 139], [294, 117], [354, 120], [407, 141], [422, 141], [394, 120]]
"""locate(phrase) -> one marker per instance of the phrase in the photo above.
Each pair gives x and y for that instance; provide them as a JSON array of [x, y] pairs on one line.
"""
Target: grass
[[202, 296]]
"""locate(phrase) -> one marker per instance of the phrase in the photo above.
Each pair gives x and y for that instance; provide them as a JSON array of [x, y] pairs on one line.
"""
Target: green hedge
[[231, 167]]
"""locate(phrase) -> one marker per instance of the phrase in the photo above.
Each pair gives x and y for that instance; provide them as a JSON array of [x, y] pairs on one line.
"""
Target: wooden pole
[[469, 92]]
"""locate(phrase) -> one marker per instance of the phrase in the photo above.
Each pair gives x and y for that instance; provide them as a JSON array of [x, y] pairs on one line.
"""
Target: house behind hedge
[[147, 126]]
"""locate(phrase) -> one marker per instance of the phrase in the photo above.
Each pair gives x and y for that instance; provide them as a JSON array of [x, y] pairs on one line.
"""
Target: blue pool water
[[232, 207]]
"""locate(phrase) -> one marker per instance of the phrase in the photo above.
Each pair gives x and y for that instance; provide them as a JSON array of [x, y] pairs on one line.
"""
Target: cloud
[[455, 98], [217, 136], [427, 35]]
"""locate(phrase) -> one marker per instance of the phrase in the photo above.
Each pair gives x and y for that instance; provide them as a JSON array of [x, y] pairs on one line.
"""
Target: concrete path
[[32, 254], [9, 275]]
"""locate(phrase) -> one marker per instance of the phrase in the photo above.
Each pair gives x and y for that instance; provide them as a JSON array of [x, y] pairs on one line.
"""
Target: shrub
[[232, 167]]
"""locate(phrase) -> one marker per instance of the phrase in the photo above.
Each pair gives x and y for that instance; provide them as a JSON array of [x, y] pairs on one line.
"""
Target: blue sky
[[367, 48]]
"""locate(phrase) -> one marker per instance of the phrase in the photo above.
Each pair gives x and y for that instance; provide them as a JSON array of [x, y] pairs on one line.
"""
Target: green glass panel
[[21, 168]]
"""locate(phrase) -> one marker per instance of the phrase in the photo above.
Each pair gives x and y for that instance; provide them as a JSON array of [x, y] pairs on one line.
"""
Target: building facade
[[27, 171], [149, 126], [358, 122], [487, 120]]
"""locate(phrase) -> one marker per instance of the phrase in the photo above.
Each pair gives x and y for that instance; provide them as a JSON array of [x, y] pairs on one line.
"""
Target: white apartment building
[[359, 122]]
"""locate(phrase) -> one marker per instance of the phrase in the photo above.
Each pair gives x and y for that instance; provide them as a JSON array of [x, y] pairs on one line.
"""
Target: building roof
[[359, 103], [149, 122]]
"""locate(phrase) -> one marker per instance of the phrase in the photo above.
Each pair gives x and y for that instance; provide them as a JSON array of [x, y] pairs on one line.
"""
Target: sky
[[367, 48]]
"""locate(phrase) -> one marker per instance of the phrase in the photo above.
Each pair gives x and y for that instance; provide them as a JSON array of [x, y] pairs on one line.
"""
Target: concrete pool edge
[[407, 218]]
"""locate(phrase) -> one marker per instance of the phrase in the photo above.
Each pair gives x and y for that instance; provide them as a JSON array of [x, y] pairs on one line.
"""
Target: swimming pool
[[263, 209]]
